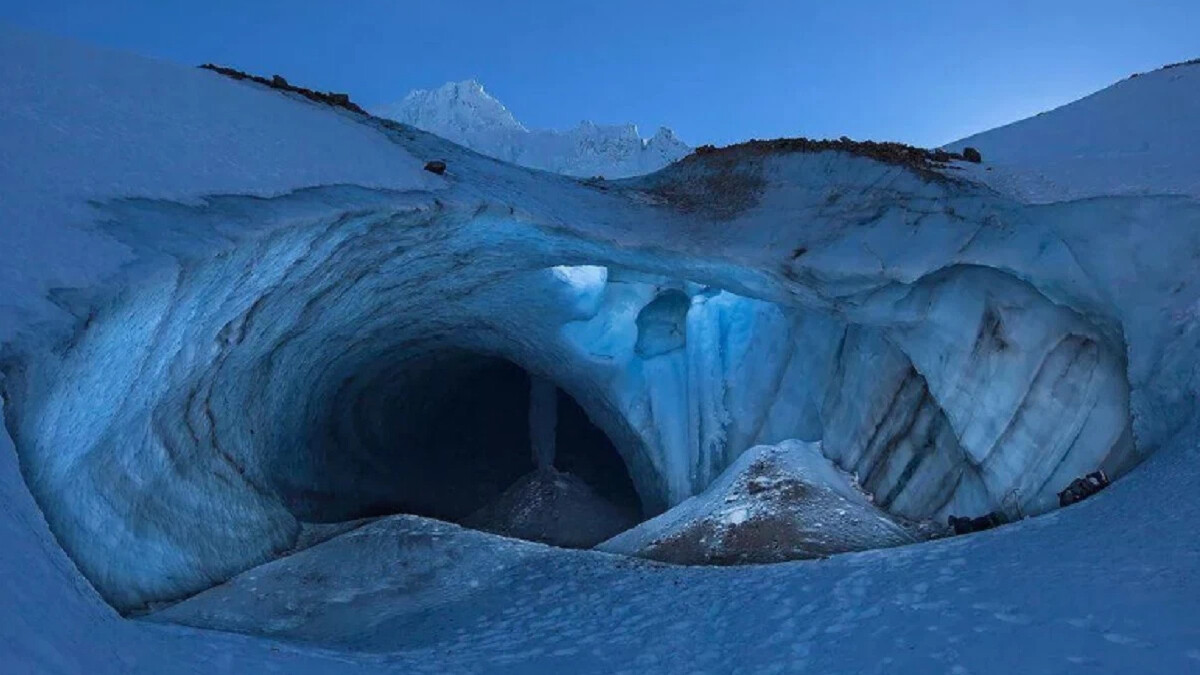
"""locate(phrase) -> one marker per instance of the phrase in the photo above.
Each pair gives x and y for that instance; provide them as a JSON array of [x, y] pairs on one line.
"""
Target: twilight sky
[[921, 71]]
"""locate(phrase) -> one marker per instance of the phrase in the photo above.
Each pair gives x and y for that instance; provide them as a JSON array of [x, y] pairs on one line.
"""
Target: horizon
[[933, 74]]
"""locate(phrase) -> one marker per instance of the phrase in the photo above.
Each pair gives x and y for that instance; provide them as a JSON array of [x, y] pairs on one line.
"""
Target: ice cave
[[283, 397]]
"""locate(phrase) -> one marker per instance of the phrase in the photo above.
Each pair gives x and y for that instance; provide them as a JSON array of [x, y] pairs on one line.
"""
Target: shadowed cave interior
[[457, 434]]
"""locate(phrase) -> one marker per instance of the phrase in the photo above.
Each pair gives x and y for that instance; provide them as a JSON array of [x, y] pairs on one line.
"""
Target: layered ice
[[315, 372]]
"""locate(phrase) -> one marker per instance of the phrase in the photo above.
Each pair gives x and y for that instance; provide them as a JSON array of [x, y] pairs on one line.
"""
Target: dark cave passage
[[454, 434]]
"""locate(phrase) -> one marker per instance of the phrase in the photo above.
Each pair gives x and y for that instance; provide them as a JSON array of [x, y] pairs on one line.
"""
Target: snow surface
[[772, 504], [77, 135], [1136, 137], [466, 114], [201, 339]]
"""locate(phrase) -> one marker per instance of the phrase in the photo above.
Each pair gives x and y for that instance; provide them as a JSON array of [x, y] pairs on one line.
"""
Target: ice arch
[[198, 417], [324, 373]]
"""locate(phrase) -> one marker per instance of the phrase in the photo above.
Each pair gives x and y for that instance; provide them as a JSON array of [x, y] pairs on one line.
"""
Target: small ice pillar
[[543, 420]]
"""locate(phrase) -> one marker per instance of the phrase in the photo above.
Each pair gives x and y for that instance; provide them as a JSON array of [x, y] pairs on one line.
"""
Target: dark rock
[[972, 155], [555, 508], [920, 160], [436, 166], [1189, 62], [280, 83], [1082, 488], [941, 156], [967, 524]]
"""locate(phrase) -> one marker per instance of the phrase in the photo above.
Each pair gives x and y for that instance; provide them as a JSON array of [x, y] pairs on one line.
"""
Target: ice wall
[[214, 407]]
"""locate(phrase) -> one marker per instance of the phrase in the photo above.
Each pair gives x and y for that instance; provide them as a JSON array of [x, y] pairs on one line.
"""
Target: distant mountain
[[466, 114]]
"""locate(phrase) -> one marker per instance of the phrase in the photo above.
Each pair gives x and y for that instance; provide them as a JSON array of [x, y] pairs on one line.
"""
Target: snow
[[1136, 137], [466, 114], [247, 286], [772, 504], [57, 152]]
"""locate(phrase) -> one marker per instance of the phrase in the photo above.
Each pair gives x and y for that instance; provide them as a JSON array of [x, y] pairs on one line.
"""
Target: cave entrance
[[464, 432]]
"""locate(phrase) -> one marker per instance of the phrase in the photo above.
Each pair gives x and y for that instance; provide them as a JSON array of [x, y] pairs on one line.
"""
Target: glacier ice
[[247, 332], [300, 378], [543, 421]]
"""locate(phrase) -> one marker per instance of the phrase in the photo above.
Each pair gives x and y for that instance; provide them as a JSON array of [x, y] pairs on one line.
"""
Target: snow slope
[[466, 114], [245, 303], [163, 144], [1135, 137]]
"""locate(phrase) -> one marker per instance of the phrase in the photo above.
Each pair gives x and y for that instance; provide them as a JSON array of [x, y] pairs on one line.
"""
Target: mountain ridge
[[465, 113]]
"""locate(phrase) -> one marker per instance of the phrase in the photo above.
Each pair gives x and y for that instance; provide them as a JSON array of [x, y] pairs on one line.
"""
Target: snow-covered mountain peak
[[465, 113], [463, 108]]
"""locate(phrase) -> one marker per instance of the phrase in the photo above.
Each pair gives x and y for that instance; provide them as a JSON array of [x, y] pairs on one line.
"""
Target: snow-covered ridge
[[1136, 137], [466, 114]]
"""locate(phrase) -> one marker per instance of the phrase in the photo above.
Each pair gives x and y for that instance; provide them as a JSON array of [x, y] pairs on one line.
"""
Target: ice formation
[[553, 507], [232, 318], [466, 114]]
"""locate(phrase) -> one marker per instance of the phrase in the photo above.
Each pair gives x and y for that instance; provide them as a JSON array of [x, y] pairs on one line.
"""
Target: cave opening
[[456, 437]]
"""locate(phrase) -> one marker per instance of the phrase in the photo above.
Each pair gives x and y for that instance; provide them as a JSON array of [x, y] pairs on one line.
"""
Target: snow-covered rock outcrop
[[466, 114], [774, 503]]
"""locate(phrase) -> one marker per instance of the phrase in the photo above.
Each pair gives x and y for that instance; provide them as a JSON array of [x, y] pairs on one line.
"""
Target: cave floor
[[1056, 586]]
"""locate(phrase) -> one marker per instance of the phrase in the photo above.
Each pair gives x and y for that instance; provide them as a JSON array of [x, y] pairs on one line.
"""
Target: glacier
[[247, 318]]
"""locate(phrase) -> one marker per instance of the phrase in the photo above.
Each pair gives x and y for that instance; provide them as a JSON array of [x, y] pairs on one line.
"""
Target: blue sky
[[924, 72]]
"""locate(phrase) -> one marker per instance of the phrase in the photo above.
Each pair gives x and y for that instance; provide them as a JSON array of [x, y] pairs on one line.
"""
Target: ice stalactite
[[543, 421]]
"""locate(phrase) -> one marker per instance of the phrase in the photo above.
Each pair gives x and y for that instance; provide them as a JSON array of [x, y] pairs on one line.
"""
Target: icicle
[[543, 421]]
